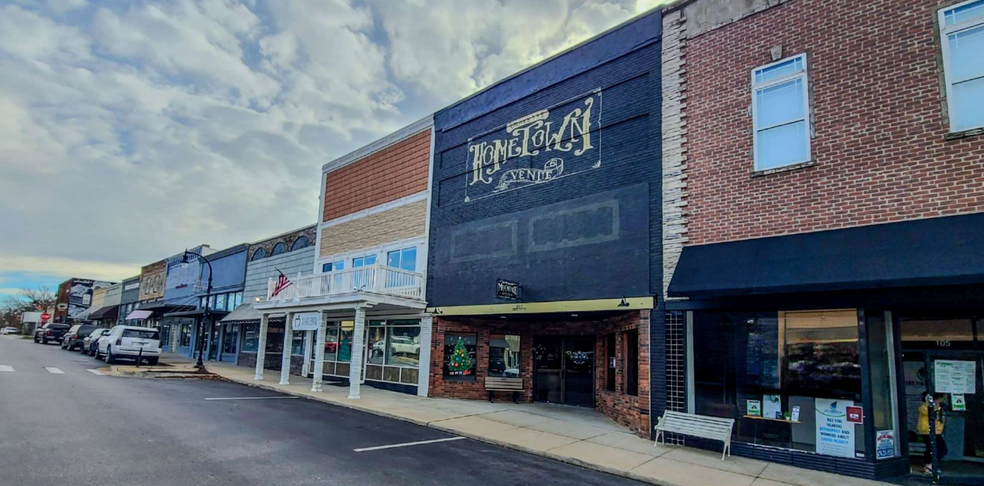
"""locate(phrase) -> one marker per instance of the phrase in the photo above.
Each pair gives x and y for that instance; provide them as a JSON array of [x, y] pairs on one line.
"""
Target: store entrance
[[941, 358], [564, 370]]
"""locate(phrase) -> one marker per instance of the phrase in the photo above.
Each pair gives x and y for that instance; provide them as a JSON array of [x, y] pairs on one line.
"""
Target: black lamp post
[[208, 293]]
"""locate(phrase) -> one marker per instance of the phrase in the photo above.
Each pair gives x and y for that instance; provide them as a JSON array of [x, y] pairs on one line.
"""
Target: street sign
[[504, 289], [45, 317]]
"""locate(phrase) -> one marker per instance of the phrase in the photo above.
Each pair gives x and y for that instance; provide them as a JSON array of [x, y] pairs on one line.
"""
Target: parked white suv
[[130, 342]]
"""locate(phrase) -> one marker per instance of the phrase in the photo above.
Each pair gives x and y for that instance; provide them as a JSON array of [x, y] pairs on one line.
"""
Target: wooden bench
[[714, 428], [495, 383]]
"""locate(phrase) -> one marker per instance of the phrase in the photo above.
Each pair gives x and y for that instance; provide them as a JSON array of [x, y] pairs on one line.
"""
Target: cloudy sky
[[132, 129]]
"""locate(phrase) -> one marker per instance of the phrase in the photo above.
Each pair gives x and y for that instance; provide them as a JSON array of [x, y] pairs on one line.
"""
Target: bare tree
[[39, 299]]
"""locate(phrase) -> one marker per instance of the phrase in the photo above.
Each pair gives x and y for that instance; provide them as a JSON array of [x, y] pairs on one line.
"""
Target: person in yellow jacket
[[922, 428]]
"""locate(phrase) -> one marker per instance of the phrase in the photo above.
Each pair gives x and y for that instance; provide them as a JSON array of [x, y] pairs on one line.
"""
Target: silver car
[[92, 340]]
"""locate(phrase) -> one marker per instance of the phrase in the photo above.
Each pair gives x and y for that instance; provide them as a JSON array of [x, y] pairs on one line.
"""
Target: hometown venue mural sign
[[541, 147]]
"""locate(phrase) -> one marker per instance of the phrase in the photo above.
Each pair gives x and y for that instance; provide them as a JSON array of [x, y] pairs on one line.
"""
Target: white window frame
[[944, 32], [807, 114]]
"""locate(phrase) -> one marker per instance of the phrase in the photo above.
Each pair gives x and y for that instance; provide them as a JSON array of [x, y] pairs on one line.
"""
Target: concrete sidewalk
[[577, 436]]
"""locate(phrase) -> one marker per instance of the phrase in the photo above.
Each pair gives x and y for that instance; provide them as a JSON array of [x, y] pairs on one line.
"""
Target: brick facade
[[880, 149], [631, 411], [402, 222], [391, 173]]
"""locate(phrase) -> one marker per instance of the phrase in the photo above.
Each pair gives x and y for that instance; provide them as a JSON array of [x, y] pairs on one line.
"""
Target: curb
[[436, 426]]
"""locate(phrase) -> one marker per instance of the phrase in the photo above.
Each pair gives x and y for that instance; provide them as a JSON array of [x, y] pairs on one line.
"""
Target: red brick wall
[[397, 171], [631, 411], [880, 145]]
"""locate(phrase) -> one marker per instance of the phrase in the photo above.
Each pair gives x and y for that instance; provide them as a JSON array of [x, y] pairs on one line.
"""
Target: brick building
[[362, 309], [545, 232], [74, 299], [823, 211]]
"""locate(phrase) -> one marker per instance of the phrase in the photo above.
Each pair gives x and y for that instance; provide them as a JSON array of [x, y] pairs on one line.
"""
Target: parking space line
[[7, 368], [54, 371], [95, 372], [407, 444], [252, 398]]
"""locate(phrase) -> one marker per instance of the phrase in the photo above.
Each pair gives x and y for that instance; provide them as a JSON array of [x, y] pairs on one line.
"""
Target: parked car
[[130, 342], [10, 330], [90, 342], [73, 338], [50, 332]]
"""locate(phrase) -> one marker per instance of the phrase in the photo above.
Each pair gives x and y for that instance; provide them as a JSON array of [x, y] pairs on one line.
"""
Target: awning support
[[285, 359], [261, 346]]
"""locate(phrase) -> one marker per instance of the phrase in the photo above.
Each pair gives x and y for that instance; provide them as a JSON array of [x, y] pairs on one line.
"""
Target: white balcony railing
[[376, 278]]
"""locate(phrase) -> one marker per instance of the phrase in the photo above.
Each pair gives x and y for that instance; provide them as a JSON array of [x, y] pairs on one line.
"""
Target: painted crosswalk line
[[54, 371], [7, 368], [95, 372]]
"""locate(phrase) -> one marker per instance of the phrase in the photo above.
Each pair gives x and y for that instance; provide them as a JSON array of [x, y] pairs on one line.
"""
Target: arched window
[[278, 249], [259, 253], [301, 242]]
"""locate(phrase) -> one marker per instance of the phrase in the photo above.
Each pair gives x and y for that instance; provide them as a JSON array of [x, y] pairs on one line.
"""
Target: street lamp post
[[208, 292]]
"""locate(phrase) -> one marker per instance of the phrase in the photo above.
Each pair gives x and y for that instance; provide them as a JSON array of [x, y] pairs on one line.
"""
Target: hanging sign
[[504, 289], [835, 435], [307, 321], [955, 376], [537, 148]]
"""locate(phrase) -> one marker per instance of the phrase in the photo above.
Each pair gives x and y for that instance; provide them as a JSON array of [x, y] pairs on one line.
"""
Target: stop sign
[[45, 316]]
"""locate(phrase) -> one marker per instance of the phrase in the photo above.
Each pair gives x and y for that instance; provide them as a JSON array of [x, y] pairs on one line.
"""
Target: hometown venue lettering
[[530, 135]]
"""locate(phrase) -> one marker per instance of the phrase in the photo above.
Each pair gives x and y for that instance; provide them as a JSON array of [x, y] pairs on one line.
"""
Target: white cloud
[[130, 130]]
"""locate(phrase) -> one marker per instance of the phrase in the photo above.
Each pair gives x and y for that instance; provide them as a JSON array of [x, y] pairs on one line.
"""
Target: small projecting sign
[[505, 289]]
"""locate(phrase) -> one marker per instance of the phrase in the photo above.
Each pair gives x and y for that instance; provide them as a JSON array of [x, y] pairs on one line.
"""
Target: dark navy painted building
[[545, 244]]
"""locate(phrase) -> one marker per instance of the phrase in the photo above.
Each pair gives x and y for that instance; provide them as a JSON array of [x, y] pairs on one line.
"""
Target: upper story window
[[962, 28], [278, 249], [781, 113], [405, 259], [259, 253], [332, 267], [364, 261], [299, 243]]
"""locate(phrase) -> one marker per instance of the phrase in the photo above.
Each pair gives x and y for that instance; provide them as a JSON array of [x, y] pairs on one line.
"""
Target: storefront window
[[346, 330], [251, 337], [459, 357], [331, 342], [376, 345], [185, 338], [504, 355], [632, 363], [789, 378], [403, 346], [220, 302], [297, 343], [275, 338]]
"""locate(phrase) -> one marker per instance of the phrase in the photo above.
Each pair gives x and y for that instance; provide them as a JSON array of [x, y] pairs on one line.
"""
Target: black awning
[[938, 251], [159, 308], [197, 313], [105, 313]]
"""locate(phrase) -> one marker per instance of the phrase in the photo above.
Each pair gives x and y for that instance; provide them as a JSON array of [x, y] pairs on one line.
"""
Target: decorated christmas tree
[[460, 363]]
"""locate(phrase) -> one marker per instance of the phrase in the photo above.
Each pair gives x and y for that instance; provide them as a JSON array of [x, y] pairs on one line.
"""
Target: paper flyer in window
[[753, 407], [772, 406]]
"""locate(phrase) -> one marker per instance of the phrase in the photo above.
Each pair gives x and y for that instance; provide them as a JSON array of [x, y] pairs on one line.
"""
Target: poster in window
[[772, 406], [835, 435], [955, 376]]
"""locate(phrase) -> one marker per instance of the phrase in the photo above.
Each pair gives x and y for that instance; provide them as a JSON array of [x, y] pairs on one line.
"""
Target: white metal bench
[[714, 428]]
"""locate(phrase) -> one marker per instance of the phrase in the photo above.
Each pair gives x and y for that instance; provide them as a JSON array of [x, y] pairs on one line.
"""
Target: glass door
[[230, 342], [579, 372], [547, 365], [941, 359]]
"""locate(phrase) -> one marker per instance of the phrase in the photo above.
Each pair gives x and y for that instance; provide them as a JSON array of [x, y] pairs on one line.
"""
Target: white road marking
[[7, 368], [408, 444], [95, 372], [54, 371], [251, 398]]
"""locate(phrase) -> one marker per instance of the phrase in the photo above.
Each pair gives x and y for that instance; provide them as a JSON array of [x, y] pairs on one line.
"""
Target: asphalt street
[[79, 428]]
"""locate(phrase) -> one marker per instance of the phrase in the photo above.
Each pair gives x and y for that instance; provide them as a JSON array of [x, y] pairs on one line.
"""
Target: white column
[[285, 359], [423, 369], [358, 356], [306, 367], [319, 354], [261, 346]]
